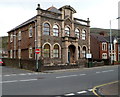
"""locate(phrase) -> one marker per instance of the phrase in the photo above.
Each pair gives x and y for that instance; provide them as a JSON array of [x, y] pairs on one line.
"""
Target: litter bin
[[90, 64]]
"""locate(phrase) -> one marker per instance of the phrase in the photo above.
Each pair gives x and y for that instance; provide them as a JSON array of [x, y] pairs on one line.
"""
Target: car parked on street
[[1, 62]]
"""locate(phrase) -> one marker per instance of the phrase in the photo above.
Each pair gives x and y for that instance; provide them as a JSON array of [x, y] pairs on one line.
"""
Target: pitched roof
[[53, 9], [100, 38], [26, 22]]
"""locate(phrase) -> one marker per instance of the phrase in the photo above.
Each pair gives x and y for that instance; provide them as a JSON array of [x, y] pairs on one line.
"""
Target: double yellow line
[[101, 86]]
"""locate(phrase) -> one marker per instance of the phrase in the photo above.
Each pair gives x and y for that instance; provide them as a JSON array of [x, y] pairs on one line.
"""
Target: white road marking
[[98, 72], [21, 74], [18, 81], [90, 90], [29, 80], [82, 74], [66, 76], [81, 92], [70, 94], [9, 81], [107, 71]]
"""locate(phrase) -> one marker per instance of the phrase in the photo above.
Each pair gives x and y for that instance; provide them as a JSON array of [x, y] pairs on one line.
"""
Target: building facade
[[99, 47], [60, 37]]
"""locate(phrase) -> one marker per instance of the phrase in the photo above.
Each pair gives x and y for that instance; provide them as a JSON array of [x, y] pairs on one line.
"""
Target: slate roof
[[53, 9], [26, 22], [100, 38]]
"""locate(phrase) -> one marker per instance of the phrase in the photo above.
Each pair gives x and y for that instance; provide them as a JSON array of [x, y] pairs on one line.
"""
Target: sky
[[100, 12]]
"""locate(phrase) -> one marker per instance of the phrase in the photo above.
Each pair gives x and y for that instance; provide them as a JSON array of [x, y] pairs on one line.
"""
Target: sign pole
[[37, 51]]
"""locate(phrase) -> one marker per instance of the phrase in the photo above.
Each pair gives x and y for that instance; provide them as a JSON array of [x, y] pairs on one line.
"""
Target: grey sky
[[100, 12]]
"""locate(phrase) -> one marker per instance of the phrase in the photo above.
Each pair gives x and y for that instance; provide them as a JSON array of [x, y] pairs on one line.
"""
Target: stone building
[[60, 37]]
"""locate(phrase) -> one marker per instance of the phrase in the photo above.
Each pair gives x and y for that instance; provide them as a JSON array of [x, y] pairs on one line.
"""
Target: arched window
[[56, 51], [84, 51], [47, 50], [55, 30], [46, 29], [77, 33], [67, 31], [83, 34]]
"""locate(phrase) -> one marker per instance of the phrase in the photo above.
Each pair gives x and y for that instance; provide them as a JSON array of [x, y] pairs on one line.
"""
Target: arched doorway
[[71, 54]]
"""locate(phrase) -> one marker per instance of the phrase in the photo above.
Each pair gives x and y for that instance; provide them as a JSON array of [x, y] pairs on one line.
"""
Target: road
[[67, 83]]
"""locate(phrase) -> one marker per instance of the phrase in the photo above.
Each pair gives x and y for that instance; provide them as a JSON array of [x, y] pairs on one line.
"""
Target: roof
[[26, 22], [100, 38], [68, 7], [54, 9]]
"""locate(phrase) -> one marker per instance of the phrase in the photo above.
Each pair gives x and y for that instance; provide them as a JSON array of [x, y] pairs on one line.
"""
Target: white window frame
[[104, 55], [55, 30], [30, 31], [67, 31], [83, 34], [77, 33], [30, 52], [19, 53], [104, 46], [19, 35], [11, 37], [11, 53]]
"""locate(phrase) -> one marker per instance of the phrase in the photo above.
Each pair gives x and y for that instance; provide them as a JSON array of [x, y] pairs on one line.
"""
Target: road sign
[[37, 51]]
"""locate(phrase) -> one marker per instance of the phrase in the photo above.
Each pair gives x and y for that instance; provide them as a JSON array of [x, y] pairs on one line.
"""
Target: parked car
[[1, 62]]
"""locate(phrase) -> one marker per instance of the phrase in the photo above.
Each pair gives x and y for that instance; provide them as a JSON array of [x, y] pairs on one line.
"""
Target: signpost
[[37, 51]]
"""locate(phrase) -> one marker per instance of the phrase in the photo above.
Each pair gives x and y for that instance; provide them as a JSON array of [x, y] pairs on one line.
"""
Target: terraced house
[[60, 37]]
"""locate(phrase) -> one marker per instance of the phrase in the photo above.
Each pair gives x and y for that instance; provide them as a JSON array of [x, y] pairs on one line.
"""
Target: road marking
[[107, 71], [81, 92], [9, 81], [21, 74], [29, 80], [98, 72], [18, 81], [66, 76], [70, 94], [90, 90], [94, 89], [82, 74]]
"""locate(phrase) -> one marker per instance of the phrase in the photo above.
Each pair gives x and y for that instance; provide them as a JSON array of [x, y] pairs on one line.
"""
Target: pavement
[[109, 89]]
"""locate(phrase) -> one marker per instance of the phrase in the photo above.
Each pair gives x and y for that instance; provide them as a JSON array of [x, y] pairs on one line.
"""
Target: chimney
[[38, 10]]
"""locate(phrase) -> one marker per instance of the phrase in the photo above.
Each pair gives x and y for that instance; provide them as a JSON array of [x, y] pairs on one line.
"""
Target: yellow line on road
[[101, 86]]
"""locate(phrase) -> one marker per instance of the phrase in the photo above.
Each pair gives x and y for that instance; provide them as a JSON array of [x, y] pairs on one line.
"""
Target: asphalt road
[[67, 83]]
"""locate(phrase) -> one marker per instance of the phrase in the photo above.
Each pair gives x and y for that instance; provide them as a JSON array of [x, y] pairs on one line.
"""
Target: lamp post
[[111, 45]]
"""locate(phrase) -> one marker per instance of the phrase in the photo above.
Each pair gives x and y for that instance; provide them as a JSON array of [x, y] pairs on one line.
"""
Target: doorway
[[71, 54]]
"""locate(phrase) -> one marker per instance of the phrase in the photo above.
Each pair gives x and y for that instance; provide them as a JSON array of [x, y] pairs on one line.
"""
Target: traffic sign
[[37, 51]]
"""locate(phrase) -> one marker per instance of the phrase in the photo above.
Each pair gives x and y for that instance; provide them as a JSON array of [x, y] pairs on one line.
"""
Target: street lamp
[[111, 49]]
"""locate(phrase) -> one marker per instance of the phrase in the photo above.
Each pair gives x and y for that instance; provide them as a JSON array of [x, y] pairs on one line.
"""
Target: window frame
[[77, 33], [67, 31], [83, 34], [19, 35], [56, 51], [46, 29], [30, 52], [55, 30], [46, 51], [30, 31]]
